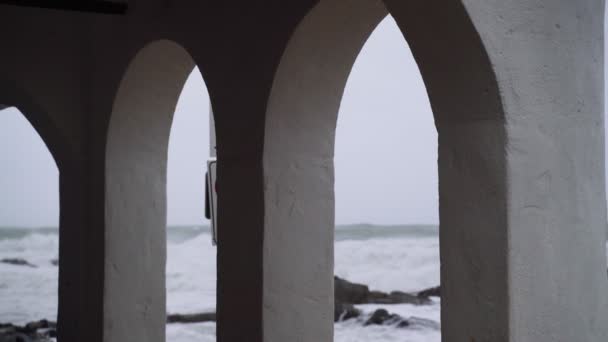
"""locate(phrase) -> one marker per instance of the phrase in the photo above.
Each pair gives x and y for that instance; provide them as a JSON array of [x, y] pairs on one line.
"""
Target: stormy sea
[[385, 258]]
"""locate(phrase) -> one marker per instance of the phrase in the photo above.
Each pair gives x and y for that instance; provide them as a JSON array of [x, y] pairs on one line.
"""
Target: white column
[[549, 63]]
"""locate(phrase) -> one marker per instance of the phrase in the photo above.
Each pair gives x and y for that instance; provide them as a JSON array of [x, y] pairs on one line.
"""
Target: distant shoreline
[[190, 226]]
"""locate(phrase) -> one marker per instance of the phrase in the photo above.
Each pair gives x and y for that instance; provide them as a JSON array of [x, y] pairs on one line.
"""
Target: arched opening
[[299, 166], [387, 235], [191, 257], [137, 149], [29, 221]]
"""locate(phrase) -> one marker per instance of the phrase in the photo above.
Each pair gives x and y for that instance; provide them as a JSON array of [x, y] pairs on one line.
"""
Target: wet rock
[[383, 317], [192, 318], [430, 292], [345, 311], [17, 262], [38, 325], [39, 331], [353, 293], [6, 329], [347, 292]]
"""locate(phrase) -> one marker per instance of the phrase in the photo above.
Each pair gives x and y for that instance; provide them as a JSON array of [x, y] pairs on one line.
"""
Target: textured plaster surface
[[548, 56], [134, 303], [298, 169]]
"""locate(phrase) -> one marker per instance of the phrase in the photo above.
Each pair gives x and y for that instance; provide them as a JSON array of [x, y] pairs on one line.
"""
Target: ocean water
[[386, 258]]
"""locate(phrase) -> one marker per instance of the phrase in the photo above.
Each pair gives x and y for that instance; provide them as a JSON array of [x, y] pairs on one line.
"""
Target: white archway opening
[[386, 188], [29, 220], [191, 257]]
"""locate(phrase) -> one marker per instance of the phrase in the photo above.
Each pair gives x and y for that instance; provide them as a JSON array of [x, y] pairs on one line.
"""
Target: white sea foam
[[191, 275], [386, 260], [391, 263], [26, 293]]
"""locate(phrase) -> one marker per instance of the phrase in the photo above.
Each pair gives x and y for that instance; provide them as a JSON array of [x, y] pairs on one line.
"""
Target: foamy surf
[[402, 258]]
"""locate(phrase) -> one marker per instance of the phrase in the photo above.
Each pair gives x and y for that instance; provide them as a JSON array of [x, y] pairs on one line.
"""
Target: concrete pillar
[[136, 165], [81, 257], [548, 59]]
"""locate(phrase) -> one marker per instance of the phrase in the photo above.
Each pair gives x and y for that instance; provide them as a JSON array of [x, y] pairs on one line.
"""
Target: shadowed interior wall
[[136, 167], [299, 176]]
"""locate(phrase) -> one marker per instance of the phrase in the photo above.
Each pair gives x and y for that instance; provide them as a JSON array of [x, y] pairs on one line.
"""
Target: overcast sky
[[386, 149]]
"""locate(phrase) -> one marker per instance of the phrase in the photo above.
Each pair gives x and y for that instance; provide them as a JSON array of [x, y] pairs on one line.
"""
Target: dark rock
[[353, 293], [39, 331], [403, 324], [383, 317], [6, 329], [347, 292], [55, 262], [17, 262], [378, 317], [430, 292], [42, 324], [345, 311], [192, 318]]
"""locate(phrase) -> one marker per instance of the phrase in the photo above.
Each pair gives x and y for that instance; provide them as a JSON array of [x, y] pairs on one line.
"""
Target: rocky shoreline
[[346, 295], [39, 331]]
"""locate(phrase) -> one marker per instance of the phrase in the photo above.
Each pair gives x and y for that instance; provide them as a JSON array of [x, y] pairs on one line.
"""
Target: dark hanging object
[[90, 6]]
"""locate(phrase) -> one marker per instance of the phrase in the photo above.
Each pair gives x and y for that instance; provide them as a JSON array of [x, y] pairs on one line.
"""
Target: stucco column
[[240, 186], [81, 253], [299, 169], [548, 59], [135, 193]]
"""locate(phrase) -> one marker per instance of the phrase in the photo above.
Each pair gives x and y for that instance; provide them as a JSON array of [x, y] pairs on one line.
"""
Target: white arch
[[298, 165], [136, 166]]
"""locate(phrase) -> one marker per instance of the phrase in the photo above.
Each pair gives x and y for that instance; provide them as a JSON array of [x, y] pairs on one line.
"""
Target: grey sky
[[188, 154], [29, 179], [385, 108], [386, 142]]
